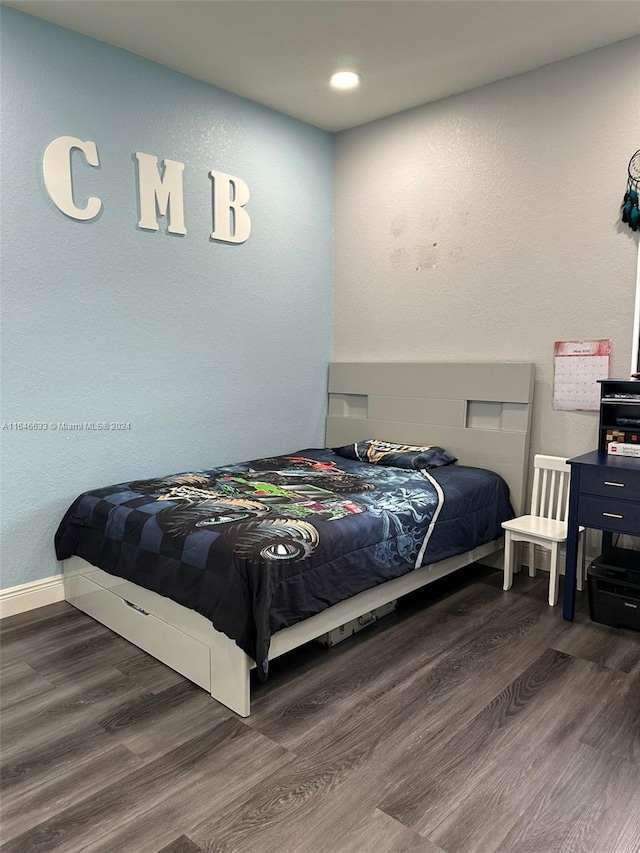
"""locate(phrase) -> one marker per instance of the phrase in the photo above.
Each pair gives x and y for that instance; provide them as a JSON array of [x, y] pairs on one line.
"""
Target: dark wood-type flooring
[[469, 721]]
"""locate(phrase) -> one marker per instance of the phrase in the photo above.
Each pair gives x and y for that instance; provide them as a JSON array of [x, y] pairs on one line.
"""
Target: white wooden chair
[[547, 524]]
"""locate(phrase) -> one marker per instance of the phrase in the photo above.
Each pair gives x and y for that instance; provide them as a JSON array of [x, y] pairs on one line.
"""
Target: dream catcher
[[630, 205]]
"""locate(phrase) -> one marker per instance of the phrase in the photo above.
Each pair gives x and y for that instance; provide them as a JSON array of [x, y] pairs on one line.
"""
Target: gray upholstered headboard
[[480, 412]]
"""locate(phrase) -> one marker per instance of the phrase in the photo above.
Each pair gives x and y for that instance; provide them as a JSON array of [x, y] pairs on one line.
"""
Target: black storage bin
[[614, 588]]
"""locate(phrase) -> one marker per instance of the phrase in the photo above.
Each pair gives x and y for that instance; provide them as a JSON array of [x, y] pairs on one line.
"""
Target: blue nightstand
[[605, 495]]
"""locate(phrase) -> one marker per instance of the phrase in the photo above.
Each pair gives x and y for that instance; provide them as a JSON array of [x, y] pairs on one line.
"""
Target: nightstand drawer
[[616, 516], [619, 484]]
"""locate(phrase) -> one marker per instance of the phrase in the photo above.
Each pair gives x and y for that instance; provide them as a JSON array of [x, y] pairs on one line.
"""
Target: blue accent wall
[[212, 352]]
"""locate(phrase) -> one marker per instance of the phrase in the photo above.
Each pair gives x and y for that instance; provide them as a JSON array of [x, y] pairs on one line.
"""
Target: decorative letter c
[[56, 166]]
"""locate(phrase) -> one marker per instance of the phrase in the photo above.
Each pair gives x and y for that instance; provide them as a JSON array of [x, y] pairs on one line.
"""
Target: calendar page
[[577, 366]]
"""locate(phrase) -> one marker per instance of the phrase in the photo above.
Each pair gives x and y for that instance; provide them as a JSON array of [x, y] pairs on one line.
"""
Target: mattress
[[260, 545]]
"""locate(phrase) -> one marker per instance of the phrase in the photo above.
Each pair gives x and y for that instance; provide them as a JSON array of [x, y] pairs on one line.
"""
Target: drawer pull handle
[[609, 483], [612, 515], [135, 607]]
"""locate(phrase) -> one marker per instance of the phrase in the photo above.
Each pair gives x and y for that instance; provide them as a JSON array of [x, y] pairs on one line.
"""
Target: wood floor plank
[[181, 845], [575, 812], [214, 781], [616, 648], [61, 775], [18, 682], [71, 707], [34, 633], [482, 721], [309, 812], [424, 662], [383, 834], [627, 837], [155, 723], [146, 671], [257, 820], [505, 757], [341, 755], [49, 614], [337, 679], [441, 772], [36, 764], [73, 659], [373, 731], [616, 729], [143, 809], [448, 690], [534, 588]]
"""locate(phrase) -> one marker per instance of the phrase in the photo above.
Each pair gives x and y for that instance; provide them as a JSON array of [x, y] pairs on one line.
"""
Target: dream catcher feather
[[630, 205]]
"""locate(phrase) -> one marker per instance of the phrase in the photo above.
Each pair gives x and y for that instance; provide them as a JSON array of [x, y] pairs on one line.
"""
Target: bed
[[276, 552]]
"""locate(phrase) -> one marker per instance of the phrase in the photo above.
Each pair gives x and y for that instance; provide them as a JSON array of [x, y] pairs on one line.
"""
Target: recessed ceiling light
[[344, 80]]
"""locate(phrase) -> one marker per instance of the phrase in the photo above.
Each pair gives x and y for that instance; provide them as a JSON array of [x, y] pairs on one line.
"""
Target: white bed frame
[[480, 412]]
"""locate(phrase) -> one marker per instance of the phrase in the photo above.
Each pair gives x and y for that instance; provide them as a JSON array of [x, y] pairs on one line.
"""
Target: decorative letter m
[[159, 194]]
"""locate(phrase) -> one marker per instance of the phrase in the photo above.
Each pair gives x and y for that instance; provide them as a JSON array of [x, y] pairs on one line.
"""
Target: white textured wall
[[486, 226]]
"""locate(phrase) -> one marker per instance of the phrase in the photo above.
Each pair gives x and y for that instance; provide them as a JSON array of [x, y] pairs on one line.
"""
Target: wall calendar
[[577, 366]]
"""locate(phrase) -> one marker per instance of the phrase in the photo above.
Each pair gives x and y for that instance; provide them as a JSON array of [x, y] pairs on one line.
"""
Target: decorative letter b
[[231, 221]]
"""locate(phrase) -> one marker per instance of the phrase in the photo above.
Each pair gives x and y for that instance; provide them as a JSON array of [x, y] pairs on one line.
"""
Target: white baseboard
[[28, 596]]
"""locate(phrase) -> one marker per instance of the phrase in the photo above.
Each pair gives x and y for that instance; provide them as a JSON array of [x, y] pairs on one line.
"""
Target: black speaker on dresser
[[614, 588]]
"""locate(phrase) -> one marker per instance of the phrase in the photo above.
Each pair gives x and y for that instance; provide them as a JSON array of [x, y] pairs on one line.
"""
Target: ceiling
[[409, 52]]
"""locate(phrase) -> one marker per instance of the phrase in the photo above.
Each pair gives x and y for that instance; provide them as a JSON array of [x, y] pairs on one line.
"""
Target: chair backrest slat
[[559, 512], [543, 495], [550, 493], [535, 494]]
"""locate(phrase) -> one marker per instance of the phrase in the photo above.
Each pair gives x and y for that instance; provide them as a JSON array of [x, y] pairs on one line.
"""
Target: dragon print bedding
[[260, 545]]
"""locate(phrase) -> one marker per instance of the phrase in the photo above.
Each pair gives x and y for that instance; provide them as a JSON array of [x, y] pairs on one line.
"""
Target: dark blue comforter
[[258, 546]]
